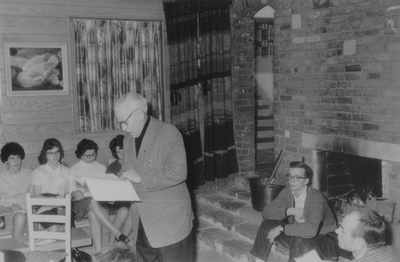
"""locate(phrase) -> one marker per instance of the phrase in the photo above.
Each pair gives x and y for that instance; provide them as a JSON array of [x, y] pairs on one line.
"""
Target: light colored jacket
[[165, 211]]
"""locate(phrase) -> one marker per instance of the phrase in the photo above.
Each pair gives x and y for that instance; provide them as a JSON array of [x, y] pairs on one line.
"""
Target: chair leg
[[333, 237], [335, 256]]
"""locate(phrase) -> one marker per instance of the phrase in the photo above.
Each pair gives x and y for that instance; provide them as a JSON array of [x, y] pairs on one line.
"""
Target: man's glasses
[[126, 120], [91, 155], [53, 154], [294, 178]]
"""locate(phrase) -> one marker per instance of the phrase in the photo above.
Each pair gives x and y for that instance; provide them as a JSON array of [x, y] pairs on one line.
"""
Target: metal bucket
[[262, 195]]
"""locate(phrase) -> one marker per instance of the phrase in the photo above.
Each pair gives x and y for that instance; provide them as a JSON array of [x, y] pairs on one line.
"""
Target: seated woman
[[116, 145], [50, 179], [15, 182], [97, 213]]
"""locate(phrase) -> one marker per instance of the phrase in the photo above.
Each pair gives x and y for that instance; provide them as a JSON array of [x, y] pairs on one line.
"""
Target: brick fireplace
[[337, 84], [339, 173], [382, 158]]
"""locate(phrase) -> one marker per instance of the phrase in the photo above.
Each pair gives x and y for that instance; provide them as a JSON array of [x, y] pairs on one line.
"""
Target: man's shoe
[[122, 238]]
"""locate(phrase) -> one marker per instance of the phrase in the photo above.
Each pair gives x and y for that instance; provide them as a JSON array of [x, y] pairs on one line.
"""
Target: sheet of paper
[[107, 176], [111, 189], [80, 179], [25, 240], [310, 256], [81, 185]]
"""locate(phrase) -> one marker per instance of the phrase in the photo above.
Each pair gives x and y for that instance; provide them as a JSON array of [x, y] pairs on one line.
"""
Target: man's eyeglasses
[[126, 120], [53, 154], [91, 155], [294, 178]]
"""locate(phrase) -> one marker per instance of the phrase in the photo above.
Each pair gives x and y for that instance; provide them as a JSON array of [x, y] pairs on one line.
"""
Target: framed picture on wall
[[36, 69]]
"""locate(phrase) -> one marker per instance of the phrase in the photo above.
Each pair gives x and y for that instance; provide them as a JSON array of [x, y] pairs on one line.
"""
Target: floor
[[202, 253]]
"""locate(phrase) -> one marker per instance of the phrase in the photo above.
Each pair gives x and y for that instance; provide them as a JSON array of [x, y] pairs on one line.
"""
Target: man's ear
[[142, 114]]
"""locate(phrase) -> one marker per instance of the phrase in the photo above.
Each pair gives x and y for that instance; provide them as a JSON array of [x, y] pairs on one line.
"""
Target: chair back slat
[[49, 235], [65, 219], [49, 218]]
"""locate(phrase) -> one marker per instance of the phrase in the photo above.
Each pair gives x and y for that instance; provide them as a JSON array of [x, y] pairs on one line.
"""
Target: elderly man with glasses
[[298, 219], [154, 160]]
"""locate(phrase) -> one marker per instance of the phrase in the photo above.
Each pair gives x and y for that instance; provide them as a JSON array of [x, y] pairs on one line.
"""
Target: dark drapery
[[199, 39], [216, 79]]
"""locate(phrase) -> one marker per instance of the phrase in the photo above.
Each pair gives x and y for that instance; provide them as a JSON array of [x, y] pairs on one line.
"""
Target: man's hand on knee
[[274, 233]]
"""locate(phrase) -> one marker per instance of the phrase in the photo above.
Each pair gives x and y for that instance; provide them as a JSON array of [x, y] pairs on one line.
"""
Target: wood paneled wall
[[32, 119]]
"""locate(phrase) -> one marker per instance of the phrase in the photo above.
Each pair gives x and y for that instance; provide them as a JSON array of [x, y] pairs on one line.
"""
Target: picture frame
[[36, 69]]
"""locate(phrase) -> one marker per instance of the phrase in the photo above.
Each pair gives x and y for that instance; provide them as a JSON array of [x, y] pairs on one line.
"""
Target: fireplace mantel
[[352, 146], [387, 152]]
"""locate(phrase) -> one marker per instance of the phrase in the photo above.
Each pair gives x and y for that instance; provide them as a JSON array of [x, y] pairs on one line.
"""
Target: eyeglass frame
[[53, 154], [294, 178], [94, 155], [126, 120]]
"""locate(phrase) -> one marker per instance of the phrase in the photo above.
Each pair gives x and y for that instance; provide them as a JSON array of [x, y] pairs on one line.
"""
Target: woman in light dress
[[50, 179], [15, 182], [97, 212]]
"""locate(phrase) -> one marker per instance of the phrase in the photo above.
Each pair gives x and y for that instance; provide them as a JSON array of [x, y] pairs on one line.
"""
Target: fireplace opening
[[340, 173]]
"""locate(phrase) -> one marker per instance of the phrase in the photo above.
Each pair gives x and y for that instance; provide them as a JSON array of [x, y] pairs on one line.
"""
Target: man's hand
[[131, 175], [15, 207], [78, 195], [274, 233], [295, 211]]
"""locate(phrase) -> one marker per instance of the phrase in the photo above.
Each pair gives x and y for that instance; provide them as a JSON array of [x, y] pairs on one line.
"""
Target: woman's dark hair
[[49, 144], [308, 173], [12, 148], [84, 145], [117, 141]]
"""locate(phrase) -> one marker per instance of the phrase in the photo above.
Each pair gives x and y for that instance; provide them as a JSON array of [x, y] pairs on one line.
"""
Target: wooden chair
[[66, 239], [65, 219]]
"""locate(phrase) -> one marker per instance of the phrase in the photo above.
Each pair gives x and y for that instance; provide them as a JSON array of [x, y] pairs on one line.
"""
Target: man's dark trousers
[[297, 246]]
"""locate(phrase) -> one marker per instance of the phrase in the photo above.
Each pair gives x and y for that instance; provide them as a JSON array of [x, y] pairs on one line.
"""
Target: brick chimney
[[337, 82]]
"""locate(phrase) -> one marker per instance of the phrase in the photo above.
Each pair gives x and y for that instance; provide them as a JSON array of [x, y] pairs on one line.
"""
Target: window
[[264, 39]]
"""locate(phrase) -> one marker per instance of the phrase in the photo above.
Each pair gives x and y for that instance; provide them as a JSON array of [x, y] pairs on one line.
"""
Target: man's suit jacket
[[165, 210], [318, 216]]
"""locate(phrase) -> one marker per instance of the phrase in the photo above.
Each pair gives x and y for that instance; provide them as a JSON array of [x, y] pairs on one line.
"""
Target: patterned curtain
[[199, 43], [114, 57]]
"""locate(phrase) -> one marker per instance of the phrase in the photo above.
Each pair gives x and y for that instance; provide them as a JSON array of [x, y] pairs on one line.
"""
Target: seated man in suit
[[362, 232], [298, 218]]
